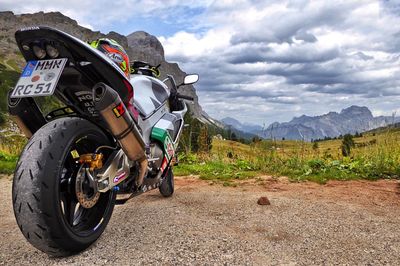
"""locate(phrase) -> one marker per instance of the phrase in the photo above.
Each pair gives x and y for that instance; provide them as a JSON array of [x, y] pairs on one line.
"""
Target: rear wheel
[[45, 200]]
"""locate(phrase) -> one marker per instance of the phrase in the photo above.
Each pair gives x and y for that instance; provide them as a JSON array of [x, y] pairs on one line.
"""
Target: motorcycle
[[114, 138]]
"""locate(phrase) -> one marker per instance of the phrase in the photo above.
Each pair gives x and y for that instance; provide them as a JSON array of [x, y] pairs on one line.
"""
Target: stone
[[263, 201]]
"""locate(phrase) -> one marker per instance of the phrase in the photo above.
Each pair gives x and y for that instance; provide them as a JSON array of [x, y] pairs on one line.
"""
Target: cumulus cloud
[[97, 14], [263, 61]]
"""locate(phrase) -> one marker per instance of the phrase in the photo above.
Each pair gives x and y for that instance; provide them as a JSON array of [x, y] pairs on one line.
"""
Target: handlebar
[[174, 97]]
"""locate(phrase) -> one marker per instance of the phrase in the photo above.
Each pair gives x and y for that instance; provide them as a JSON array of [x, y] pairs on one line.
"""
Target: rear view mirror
[[190, 79]]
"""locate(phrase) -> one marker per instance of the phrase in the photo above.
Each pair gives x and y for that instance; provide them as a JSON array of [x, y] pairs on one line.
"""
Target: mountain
[[245, 127], [350, 120], [229, 121], [246, 131], [139, 46]]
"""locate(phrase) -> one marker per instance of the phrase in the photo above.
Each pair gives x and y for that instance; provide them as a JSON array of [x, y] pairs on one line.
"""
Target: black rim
[[81, 221]]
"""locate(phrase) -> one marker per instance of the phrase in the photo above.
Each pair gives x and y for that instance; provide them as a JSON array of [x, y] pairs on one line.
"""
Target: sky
[[264, 61]]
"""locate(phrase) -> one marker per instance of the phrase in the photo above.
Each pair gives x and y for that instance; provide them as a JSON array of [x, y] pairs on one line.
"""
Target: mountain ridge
[[332, 124], [245, 127]]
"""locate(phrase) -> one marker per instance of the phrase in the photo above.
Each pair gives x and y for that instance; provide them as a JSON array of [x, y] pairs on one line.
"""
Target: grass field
[[11, 145], [375, 155], [7, 163]]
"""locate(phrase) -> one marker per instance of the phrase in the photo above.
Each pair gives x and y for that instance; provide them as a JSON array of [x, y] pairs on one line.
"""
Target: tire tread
[[32, 183]]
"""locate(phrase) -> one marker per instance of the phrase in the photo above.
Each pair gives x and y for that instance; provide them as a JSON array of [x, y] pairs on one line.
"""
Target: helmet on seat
[[114, 51]]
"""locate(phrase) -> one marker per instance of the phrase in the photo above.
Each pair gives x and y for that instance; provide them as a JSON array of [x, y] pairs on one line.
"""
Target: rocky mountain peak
[[244, 127], [300, 119], [229, 121], [148, 43], [273, 125], [357, 111]]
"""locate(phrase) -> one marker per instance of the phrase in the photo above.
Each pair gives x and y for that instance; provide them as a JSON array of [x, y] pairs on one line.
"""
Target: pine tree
[[347, 144], [233, 136], [315, 146], [204, 140]]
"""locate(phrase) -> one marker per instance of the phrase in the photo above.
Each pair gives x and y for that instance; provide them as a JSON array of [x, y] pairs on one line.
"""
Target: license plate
[[39, 78]]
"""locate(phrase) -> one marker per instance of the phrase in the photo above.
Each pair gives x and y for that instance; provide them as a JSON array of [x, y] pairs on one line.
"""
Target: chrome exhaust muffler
[[110, 106]]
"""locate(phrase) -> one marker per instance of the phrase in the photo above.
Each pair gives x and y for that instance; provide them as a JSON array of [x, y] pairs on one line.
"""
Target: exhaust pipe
[[26, 114], [110, 106]]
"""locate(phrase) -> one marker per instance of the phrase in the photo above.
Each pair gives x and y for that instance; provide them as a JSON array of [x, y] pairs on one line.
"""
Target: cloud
[[102, 13], [305, 36], [265, 61], [293, 57]]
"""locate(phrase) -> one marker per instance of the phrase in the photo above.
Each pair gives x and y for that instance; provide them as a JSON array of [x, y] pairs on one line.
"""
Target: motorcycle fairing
[[170, 123], [147, 124], [150, 94], [167, 131], [162, 135]]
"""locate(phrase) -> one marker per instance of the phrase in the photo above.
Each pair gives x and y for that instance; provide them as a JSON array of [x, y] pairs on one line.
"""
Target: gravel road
[[354, 223]]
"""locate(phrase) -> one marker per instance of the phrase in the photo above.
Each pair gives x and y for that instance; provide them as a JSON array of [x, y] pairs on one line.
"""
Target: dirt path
[[354, 222]]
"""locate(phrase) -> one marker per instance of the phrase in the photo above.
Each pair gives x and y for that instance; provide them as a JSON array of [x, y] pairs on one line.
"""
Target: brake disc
[[86, 188]]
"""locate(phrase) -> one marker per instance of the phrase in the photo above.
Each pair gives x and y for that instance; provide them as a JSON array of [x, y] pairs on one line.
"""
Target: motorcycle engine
[[156, 158]]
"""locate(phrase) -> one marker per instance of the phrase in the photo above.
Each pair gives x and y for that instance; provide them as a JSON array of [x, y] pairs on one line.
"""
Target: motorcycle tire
[[167, 186], [43, 192]]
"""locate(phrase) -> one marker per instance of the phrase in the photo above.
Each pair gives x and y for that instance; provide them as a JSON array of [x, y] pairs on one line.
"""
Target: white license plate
[[39, 78]]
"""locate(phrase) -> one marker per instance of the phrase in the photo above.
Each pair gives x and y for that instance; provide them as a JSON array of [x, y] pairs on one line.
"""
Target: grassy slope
[[8, 78], [373, 157], [7, 163], [10, 143]]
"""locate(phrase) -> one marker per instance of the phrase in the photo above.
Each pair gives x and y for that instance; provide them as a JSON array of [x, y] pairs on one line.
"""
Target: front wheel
[[45, 203], [167, 186]]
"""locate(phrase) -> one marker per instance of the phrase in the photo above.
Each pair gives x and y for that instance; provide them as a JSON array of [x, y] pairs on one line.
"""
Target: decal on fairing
[[163, 136], [169, 148], [164, 164]]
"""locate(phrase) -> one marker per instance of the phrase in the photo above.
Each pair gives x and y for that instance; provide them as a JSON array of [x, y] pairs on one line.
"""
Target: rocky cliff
[[139, 45]]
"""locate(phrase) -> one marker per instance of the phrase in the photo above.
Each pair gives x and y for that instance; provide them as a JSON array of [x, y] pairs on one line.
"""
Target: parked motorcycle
[[102, 148]]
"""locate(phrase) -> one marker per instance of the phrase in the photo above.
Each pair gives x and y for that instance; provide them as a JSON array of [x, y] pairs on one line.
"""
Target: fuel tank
[[149, 94]]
